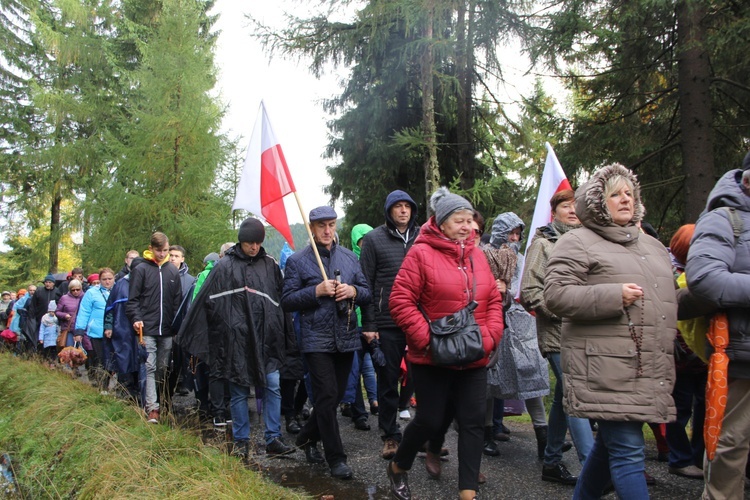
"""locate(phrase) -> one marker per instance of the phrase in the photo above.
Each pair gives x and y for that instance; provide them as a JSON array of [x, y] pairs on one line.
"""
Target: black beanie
[[251, 231]]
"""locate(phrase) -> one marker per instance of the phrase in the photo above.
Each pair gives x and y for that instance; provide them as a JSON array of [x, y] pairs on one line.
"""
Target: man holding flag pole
[[328, 327]]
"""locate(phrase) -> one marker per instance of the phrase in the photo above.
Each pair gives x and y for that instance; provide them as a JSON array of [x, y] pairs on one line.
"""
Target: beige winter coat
[[583, 285]]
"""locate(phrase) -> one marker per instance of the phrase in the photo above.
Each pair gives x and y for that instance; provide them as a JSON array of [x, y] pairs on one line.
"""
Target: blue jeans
[[559, 423], [617, 455], [272, 406], [689, 395], [361, 365], [240, 413]]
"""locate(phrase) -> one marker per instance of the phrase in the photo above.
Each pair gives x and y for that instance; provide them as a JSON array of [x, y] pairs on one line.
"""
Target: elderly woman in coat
[[442, 273], [614, 288]]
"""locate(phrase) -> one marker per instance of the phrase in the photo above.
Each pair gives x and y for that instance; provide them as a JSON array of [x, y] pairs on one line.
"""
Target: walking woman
[[90, 321], [614, 288], [442, 273]]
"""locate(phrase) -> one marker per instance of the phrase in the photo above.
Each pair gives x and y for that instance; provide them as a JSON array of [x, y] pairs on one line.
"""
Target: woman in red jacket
[[441, 274]]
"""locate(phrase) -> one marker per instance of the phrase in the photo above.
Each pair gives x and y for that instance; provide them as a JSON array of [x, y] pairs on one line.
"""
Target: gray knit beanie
[[443, 203]]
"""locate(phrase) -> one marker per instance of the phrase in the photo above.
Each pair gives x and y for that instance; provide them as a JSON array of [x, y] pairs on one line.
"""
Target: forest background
[[110, 129]]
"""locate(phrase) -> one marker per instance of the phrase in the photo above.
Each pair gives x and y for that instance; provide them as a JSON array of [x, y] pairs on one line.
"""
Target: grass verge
[[68, 441]]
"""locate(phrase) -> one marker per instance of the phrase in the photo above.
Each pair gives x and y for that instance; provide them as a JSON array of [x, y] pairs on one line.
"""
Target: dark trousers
[[293, 397], [329, 373], [393, 345], [444, 393], [689, 395]]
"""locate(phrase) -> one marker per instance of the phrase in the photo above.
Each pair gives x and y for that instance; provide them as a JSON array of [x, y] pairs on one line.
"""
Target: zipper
[[161, 300], [462, 268]]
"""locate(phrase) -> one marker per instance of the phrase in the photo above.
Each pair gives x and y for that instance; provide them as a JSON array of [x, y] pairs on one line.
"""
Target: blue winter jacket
[[91, 312], [322, 329], [718, 267]]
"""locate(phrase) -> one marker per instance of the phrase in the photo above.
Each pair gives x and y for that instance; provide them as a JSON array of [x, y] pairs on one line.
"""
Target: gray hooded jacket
[[718, 268]]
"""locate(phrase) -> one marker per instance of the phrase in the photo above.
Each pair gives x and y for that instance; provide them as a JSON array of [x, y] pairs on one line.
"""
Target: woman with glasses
[[90, 322]]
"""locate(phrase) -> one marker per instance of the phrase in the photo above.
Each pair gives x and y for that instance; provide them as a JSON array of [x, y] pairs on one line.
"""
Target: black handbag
[[456, 339]]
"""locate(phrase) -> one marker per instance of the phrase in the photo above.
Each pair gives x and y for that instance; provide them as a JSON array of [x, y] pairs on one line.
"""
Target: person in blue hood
[[383, 251]]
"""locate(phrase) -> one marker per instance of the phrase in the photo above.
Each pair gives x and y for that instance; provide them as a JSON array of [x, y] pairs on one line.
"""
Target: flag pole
[[309, 235]]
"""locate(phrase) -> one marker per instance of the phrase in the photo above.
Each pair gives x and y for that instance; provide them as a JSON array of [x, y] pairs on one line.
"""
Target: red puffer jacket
[[437, 274]]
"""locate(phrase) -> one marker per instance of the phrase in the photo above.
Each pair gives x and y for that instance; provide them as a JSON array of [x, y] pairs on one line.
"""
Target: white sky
[[292, 95]]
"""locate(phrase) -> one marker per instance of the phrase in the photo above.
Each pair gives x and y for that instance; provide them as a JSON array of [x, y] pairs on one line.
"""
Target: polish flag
[[265, 178], [553, 180]]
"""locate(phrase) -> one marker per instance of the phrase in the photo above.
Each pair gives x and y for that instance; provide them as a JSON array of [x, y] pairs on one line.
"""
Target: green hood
[[358, 232]]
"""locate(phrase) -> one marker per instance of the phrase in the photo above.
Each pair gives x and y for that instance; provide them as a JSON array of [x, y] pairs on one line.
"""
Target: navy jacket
[[322, 329]]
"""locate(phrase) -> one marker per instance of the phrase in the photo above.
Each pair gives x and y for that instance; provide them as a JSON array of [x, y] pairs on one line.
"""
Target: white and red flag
[[553, 180], [265, 178]]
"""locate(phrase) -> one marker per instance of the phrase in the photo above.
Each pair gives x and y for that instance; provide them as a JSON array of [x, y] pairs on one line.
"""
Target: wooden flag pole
[[309, 234]]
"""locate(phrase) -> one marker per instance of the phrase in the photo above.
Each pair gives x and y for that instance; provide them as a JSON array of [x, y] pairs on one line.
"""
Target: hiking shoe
[[558, 473], [390, 446], [313, 454], [219, 422], [404, 415], [153, 417], [341, 471], [278, 447], [501, 436]]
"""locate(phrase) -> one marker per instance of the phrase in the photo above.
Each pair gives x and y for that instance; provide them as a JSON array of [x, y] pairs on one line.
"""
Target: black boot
[[292, 425], [541, 440], [490, 446]]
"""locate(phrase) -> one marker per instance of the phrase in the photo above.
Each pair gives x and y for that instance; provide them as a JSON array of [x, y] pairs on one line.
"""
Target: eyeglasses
[[75, 289]]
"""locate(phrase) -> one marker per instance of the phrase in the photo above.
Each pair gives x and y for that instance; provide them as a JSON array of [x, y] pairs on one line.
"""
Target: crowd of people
[[595, 301]]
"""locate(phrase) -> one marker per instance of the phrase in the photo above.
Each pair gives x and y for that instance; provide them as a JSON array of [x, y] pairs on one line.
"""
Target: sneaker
[[690, 471], [404, 415], [558, 473], [153, 417], [278, 447], [219, 422], [390, 446], [241, 449]]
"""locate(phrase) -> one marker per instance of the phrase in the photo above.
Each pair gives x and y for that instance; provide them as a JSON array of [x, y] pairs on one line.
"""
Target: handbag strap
[[473, 290]]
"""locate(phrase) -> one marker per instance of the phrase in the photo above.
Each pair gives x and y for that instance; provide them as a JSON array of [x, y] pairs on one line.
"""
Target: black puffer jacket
[[236, 322], [321, 328], [383, 251], [154, 296]]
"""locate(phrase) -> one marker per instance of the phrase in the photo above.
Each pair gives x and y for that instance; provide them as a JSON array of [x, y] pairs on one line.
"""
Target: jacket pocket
[[611, 365]]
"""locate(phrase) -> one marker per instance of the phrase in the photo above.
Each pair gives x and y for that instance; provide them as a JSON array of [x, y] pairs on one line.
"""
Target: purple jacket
[[68, 304]]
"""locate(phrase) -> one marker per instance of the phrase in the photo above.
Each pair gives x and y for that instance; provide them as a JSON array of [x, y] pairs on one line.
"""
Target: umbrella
[[142, 356], [716, 389]]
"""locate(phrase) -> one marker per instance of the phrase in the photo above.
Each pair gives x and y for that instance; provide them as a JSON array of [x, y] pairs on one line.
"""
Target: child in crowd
[[48, 332]]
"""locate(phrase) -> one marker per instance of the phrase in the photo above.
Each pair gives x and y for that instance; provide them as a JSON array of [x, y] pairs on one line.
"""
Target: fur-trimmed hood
[[591, 207]]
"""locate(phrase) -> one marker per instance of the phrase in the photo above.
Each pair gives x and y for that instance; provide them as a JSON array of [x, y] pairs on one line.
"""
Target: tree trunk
[[463, 105], [694, 75], [431, 167], [54, 231]]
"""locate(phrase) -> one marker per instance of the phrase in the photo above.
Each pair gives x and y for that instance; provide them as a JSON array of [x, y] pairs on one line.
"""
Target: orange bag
[[717, 387]]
